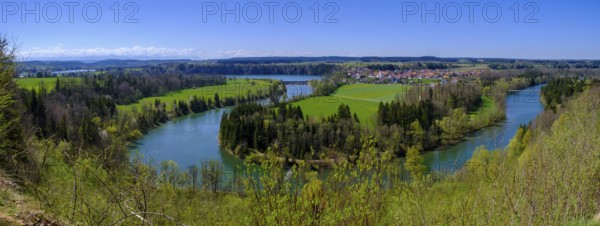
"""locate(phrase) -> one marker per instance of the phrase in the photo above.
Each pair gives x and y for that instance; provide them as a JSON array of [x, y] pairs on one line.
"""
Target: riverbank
[[520, 110], [258, 157], [491, 113], [193, 139], [487, 115]]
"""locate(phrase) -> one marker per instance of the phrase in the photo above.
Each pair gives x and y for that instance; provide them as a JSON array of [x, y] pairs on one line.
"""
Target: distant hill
[[337, 59], [75, 65], [274, 65]]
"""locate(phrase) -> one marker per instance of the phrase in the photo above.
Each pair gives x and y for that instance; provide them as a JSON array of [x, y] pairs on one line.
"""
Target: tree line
[[245, 69], [127, 89], [558, 89], [251, 127], [426, 117]]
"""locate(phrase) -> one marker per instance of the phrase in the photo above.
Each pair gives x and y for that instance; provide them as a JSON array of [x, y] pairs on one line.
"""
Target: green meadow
[[233, 88], [467, 67], [363, 100], [37, 83], [487, 107]]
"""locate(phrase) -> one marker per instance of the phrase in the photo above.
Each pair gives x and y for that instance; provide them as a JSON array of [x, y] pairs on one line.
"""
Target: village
[[411, 76]]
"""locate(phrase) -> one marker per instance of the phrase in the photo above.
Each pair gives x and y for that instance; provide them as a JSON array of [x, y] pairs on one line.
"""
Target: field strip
[[354, 98]]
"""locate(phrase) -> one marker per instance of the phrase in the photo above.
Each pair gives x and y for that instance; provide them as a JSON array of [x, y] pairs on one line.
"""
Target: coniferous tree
[[11, 133], [217, 100]]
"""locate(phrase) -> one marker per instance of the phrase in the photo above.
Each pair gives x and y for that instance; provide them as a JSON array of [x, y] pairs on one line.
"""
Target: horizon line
[[141, 58]]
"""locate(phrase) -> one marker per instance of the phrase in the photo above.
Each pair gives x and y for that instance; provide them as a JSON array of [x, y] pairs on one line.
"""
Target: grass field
[[37, 83], [363, 100], [236, 87], [487, 107], [468, 67]]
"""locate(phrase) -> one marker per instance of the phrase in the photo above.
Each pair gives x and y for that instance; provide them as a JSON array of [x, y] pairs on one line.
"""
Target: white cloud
[[236, 53], [249, 53], [135, 51], [60, 52]]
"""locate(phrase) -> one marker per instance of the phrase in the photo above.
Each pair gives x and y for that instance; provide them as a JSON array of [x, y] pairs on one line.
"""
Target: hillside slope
[[555, 180], [19, 209]]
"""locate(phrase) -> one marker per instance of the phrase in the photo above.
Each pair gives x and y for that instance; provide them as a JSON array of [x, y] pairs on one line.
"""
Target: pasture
[[38, 83], [363, 100], [233, 88], [488, 106]]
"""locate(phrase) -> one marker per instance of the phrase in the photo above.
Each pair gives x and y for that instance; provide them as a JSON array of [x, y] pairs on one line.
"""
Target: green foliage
[[441, 113], [414, 163], [134, 135], [327, 86], [455, 126], [560, 88], [484, 164], [82, 191], [518, 144], [554, 182], [348, 195], [488, 114], [403, 114], [12, 151], [252, 127], [344, 112]]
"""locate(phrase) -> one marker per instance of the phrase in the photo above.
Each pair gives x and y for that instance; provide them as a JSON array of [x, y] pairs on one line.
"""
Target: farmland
[[233, 88], [48, 83], [363, 100]]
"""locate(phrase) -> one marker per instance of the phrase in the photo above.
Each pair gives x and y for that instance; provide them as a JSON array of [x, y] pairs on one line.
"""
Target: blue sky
[[160, 29]]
